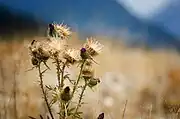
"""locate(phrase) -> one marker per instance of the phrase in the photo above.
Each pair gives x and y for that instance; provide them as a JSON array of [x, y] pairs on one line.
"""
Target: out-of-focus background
[[140, 63]]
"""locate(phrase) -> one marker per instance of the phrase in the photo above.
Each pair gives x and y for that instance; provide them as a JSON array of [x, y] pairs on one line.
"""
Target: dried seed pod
[[65, 95], [88, 62], [93, 82], [34, 52], [87, 72], [44, 55], [34, 61]]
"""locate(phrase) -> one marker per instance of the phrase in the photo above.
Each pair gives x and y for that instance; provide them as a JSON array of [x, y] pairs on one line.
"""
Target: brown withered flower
[[39, 50]]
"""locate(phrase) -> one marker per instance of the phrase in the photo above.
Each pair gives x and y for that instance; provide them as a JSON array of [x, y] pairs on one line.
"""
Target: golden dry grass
[[144, 78]]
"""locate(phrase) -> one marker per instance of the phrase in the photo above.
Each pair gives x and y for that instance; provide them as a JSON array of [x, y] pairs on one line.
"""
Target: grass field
[[134, 82]]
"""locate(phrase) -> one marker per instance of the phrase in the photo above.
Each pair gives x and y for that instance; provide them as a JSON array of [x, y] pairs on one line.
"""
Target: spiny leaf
[[44, 71], [49, 87], [72, 109], [52, 88], [79, 113]]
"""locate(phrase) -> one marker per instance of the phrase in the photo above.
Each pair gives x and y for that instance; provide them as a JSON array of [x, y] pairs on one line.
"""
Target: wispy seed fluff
[[71, 55], [62, 30], [57, 45], [93, 46]]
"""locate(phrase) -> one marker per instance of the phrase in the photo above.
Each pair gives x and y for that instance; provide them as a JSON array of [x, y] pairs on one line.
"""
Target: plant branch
[[124, 109], [81, 96], [79, 77], [43, 90], [58, 71], [62, 76]]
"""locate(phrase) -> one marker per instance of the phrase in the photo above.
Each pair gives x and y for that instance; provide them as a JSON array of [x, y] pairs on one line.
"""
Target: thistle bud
[[34, 53], [34, 61], [83, 53], [51, 30], [44, 55], [93, 82], [65, 95], [87, 72]]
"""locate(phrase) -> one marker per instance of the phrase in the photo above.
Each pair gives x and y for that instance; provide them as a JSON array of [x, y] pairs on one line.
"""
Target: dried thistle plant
[[56, 49]]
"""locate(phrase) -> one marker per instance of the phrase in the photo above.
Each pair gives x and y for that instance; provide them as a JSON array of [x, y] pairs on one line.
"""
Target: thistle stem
[[43, 91], [62, 76], [58, 71], [81, 96], [79, 77]]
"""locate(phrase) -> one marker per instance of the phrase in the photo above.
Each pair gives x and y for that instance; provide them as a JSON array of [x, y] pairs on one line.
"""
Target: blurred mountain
[[170, 17], [105, 17], [17, 22]]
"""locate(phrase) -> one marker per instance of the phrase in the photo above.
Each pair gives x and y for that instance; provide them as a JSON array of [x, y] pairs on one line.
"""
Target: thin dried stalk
[[62, 76], [81, 96], [4, 90], [123, 115], [150, 112], [79, 77], [15, 71], [43, 91], [58, 72]]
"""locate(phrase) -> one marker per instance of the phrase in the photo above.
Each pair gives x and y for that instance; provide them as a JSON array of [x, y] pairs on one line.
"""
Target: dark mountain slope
[[17, 22], [169, 17], [105, 17]]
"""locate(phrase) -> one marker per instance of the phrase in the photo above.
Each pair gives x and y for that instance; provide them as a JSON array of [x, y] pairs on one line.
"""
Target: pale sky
[[145, 8]]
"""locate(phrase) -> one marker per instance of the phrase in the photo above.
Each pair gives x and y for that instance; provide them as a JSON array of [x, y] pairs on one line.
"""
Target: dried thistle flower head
[[93, 46], [85, 55], [71, 55], [57, 45], [44, 54], [39, 51], [62, 30]]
